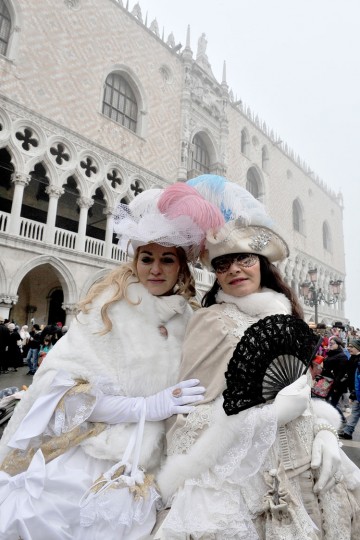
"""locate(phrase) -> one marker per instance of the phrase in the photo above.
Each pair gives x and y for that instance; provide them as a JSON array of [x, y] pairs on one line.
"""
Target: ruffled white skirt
[[43, 502]]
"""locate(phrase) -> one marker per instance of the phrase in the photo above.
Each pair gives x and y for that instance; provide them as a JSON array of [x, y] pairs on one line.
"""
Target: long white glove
[[292, 401], [176, 399], [326, 456]]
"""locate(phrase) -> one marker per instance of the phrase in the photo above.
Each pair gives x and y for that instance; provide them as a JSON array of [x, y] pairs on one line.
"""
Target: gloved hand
[[326, 456], [292, 401], [174, 400]]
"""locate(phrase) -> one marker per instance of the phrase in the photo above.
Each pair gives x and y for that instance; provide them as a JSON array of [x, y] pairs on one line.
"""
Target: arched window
[[252, 183], [264, 158], [201, 158], [297, 216], [5, 27], [327, 244], [119, 102], [244, 141]]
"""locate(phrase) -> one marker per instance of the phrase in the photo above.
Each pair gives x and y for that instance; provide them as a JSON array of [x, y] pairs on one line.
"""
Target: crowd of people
[[129, 429], [19, 346], [339, 363]]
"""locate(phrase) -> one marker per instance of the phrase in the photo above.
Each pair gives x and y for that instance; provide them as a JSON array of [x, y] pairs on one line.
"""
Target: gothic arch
[[16, 26], [44, 160], [298, 216], [62, 271], [245, 141], [209, 143], [3, 279], [91, 280], [138, 89], [255, 183], [326, 237], [17, 159], [109, 196], [79, 180]]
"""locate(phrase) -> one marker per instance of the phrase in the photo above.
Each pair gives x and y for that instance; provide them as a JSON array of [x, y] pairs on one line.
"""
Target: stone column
[[20, 180], [54, 193], [108, 212], [71, 311], [6, 303], [84, 203]]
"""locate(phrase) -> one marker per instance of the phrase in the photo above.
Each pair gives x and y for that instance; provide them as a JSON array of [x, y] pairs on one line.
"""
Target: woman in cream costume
[[123, 350], [269, 472]]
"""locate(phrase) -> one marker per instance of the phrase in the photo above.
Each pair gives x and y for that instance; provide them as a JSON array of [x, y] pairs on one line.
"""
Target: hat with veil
[[177, 215]]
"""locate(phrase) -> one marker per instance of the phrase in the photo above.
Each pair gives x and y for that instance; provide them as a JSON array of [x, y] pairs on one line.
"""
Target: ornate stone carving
[[84, 202], [154, 27], [72, 4], [136, 12], [54, 191], [71, 309], [171, 40], [8, 299], [20, 178]]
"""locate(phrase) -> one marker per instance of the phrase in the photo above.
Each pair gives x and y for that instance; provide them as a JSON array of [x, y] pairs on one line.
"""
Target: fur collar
[[259, 305]]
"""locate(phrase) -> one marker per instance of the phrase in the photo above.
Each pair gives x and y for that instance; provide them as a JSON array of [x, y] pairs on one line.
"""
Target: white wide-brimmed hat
[[175, 216]]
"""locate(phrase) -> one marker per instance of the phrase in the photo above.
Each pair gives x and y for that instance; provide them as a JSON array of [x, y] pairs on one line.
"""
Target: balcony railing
[[65, 238], [34, 230], [4, 220], [94, 246]]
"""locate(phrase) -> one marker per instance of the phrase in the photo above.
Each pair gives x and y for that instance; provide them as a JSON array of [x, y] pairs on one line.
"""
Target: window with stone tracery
[[327, 243], [297, 216], [252, 183], [5, 27], [201, 158], [264, 158], [120, 102], [244, 141]]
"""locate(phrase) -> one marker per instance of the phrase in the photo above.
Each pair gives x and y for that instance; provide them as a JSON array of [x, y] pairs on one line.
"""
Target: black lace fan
[[272, 354]]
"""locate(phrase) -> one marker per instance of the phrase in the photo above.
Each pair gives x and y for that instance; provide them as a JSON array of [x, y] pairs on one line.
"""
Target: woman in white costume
[[121, 353], [272, 471]]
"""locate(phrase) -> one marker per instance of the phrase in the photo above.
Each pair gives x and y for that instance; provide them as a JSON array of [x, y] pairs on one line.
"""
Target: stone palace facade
[[96, 106]]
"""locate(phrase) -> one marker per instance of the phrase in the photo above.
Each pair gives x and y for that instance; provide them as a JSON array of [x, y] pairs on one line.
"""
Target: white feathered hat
[[248, 228], [175, 216]]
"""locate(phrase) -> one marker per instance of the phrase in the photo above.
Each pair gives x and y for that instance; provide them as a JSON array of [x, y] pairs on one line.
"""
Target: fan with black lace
[[272, 354]]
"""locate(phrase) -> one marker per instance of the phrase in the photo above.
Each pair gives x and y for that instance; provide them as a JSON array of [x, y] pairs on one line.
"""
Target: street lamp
[[314, 296]]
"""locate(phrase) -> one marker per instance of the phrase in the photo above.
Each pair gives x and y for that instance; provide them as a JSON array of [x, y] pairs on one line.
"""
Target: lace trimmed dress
[[240, 477]]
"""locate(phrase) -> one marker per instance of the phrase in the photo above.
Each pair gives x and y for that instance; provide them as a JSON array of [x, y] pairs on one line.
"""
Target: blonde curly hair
[[120, 279]]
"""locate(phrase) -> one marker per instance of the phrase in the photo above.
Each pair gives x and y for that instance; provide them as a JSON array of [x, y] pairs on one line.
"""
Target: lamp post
[[314, 296]]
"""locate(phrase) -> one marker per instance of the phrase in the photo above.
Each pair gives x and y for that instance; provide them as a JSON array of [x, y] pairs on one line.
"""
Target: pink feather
[[181, 199]]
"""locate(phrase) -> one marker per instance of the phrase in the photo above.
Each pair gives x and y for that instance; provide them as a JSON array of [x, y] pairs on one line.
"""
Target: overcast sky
[[296, 64]]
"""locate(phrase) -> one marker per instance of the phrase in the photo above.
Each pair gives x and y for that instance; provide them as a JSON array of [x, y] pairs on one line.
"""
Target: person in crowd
[[64, 330], [44, 349], [25, 337], [336, 367], [13, 355], [52, 330], [119, 360], [4, 344], [271, 471], [34, 348], [354, 388], [339, 330], [316, 367]]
